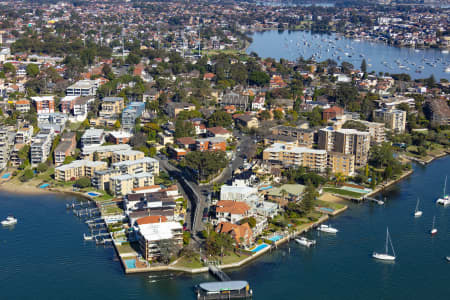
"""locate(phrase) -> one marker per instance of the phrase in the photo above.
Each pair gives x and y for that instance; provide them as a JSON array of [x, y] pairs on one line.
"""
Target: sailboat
[[417, 212], [386, 255], [433, 230], [445, 200]]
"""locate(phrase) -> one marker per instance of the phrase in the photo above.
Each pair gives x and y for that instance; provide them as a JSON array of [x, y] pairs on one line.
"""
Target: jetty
[[379, 202], [218, 273]]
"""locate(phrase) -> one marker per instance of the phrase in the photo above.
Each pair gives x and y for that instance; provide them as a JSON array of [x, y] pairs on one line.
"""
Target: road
[[197, 194]]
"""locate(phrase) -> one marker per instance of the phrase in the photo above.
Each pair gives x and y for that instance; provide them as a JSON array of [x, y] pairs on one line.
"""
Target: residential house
[[231, 211], [241, 234]]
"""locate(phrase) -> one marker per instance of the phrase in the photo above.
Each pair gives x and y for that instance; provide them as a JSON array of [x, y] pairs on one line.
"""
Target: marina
[[99, 274], [380, 57]]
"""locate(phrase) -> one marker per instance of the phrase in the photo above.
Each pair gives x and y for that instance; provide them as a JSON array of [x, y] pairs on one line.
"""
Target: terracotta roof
[[218, 130], [237, 231], [151, 219], [232, 207], [22, 102], [148, 187], [186, 140]]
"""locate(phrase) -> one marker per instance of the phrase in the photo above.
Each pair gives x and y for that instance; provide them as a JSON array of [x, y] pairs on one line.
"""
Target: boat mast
[[387, 238], [417, 205], [445, 186]]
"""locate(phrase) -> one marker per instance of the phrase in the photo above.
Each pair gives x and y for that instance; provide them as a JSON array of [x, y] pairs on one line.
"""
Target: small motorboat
[[305, 242], [447, 258], [10, 220], [87, 237], [417, 212], [433, 230], [327, 228]]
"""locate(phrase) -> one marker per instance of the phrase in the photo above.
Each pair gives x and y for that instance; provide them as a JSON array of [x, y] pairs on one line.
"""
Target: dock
[[218, 273], [379, 202]]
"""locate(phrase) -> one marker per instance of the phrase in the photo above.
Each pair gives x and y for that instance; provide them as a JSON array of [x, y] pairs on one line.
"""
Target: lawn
[[331, 205], [342, 192], [192, 263]]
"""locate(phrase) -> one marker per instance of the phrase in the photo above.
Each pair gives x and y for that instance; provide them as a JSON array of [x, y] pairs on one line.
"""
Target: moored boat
[[327, 228], [10, 220], [386, 255], [305, 242]]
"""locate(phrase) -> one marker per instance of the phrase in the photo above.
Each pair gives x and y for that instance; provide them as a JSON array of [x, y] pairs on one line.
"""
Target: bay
[[44, 255], [382, 57]]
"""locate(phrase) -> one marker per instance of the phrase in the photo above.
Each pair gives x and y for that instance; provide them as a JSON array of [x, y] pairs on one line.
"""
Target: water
[[45, 257], [383, 58]]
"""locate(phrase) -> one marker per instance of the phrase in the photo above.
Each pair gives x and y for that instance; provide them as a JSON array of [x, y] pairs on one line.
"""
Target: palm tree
[[340, 178]]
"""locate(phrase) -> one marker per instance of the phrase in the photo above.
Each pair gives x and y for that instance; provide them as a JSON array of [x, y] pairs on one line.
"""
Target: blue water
[[44, 255], [276, 238], [290, 45], [260, 247]]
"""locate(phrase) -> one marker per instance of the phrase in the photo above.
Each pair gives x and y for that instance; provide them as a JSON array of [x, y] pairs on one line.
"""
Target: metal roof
[[218, 286]]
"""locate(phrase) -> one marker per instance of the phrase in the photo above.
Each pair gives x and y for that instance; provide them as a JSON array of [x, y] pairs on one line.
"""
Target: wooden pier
[[218, 273]]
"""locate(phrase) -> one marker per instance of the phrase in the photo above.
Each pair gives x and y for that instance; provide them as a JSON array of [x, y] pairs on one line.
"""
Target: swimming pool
[[6, 176], [130, 263], [44, 185], [356, 190], [93, 194], [276, 238], [260, 247], [326, 209], [263, 188]]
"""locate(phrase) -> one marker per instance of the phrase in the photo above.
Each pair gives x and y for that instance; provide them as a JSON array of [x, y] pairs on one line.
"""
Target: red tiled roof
[[151, 220]]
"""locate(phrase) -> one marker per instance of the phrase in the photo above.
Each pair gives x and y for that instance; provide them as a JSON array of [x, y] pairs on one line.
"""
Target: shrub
[[83, 182]]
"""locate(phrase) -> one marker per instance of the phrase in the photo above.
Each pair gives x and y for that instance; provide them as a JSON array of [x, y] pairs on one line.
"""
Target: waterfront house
[[78, 169], [242, 234], [231, 211]]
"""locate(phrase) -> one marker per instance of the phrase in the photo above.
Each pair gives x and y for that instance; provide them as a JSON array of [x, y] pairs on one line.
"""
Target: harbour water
[[379, 57], [44, 255]]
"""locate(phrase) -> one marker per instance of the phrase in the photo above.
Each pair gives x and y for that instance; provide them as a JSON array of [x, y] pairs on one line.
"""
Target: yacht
[[445, 200], [447, 258], [444, 51], [87, 237], [417, 212], [433, 230], [305, 242], [327, 228], [10, 220], [447, 70], [386, 255]]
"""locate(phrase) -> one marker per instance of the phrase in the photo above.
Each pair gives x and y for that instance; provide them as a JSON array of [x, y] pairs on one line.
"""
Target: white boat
[[444, 51], [10, 220], [417, 212], [447, 70], [305, 242], [433, 230], [447, 258], [386, 255], [445, 200], [327, 228], [87, 237]]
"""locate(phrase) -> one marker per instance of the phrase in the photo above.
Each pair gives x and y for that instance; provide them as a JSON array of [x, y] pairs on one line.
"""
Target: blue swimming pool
[[276, 238], [93, 194], [6, 176], [130, 263], [326, 209], [260, 247], [44, 185], [356, 190], [265, 188]]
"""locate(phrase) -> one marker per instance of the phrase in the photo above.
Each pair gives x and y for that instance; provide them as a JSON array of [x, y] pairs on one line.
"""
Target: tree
[[264, 115], [364, 66], [42, 167], [278, 114], [117, 124], [83, 182], [32, 70], [9, 68], [258, 78], [69, 159], [220, 118], [307, 203], [27, 175], [184, 129], [205, 164]]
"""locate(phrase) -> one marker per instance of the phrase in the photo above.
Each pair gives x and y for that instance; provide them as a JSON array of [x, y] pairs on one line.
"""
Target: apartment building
[[44, 104], [341, 163], [174, 108], [154, 231], [291, 155], [65, 148], [394, 119], [124, 155], [102, 152], [143, 165], [377, 131], [4, 148], [93, 137], [83, 88], [122, 185], [439, 111], [211, 144], [111, 106], [129, 115], [41, 146], [56, 120], [23, 106], [346, 141], [304, 137], [78, 169], [24, 135], [240, 102]]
